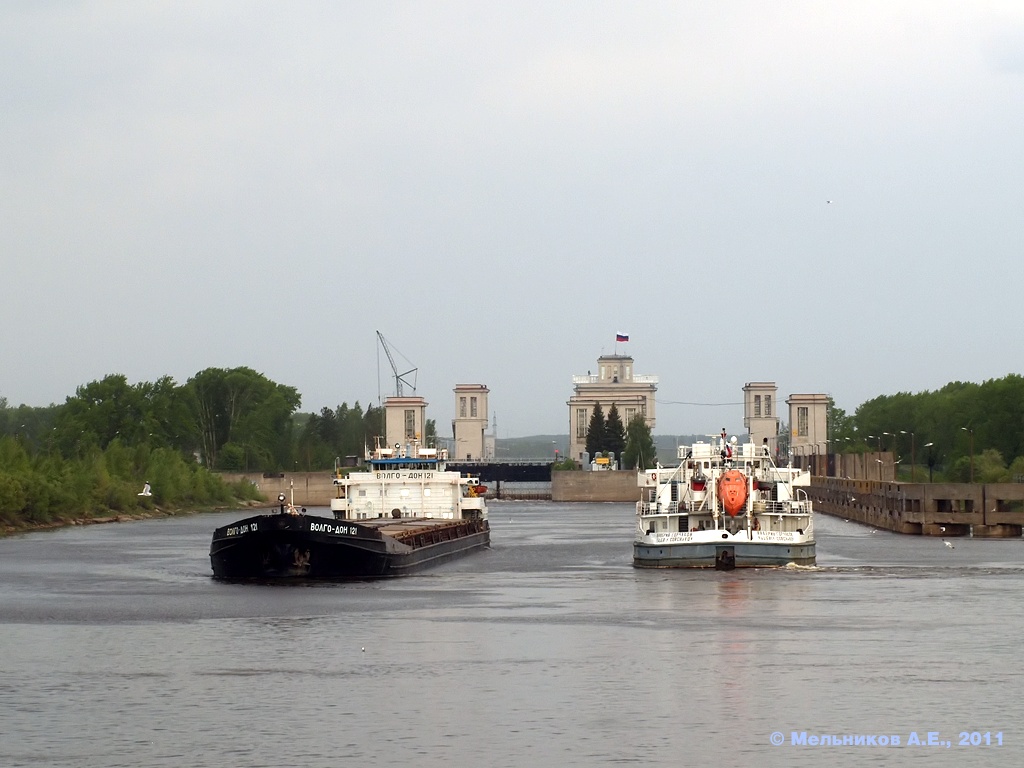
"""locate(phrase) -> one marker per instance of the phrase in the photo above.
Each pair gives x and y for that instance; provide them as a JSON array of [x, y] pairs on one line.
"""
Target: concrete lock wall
[[311, 489], [611, 485], [931, 509], [316, 489]]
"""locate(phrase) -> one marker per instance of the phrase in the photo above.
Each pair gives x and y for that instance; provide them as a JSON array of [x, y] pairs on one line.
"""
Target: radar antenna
[[400, 378]]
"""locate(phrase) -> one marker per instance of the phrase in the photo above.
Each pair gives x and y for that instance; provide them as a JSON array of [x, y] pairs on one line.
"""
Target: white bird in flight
[[948, 544]]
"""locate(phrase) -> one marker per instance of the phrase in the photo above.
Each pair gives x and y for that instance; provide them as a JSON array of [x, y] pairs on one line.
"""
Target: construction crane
[[400, 378]]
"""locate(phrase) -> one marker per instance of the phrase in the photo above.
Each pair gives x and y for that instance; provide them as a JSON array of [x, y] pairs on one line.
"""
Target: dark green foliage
[[39, 489], [958, 419], [245, 410], [640, 452], [596, 432], [614, 433], [91, 455], [344, 432]]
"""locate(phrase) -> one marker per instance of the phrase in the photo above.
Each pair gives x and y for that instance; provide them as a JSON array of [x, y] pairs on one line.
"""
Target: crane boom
[[400, 378]]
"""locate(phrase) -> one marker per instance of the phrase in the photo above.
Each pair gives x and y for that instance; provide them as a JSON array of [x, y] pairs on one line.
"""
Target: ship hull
[[304, 547], [722, 556]]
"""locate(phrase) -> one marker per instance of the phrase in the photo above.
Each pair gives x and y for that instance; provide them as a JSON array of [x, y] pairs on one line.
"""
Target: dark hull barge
[[282, 547]]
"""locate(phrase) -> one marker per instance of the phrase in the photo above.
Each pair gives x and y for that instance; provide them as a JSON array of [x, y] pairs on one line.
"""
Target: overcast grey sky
[[499, 188]]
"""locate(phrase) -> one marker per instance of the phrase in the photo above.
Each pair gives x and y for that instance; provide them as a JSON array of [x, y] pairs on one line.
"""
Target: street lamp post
[[912, 463], [971, 433], [931, 460]]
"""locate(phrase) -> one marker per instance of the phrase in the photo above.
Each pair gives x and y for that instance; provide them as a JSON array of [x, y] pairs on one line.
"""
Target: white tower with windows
[[470, 423]]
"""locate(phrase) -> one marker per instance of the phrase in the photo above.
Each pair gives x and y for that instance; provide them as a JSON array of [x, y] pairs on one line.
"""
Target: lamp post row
[[913, 450]]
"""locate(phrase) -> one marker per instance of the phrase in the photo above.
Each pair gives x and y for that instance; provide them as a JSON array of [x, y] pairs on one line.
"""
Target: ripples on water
[[550, 649]]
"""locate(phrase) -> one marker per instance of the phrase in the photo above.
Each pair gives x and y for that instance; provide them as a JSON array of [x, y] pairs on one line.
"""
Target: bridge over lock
[[522, 478]]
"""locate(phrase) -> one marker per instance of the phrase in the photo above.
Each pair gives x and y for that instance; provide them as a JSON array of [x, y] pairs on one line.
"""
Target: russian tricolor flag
[[622, 337]]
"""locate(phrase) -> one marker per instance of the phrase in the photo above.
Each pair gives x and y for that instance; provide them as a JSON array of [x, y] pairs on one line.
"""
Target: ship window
[[426, 491]]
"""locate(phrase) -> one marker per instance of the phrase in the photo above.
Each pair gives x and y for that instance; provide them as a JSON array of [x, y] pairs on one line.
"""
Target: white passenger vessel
[[724, 506]]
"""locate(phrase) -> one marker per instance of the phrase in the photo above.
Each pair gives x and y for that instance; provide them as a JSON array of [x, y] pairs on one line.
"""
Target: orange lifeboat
[[732, 490]]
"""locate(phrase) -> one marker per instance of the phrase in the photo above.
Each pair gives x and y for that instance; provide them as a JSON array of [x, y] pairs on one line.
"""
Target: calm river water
[[550, 649]]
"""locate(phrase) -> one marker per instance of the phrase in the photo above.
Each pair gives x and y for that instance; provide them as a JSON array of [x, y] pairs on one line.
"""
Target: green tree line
[[90, 455], [947, 429]]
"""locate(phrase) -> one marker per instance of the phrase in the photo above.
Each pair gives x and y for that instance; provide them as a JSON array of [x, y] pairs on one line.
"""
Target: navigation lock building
[[614, 383]]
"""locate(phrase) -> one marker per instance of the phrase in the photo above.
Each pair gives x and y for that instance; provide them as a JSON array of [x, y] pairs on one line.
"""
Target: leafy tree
[[640, 452], [596, 431], [989, 467], [243, 408], [112, 409], [32, 426], [98, 413], [840, 425], [956, 419], [614, 433], [345, 431]]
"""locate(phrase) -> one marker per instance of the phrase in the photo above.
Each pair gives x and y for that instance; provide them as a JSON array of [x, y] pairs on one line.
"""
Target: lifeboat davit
[[732, 490]]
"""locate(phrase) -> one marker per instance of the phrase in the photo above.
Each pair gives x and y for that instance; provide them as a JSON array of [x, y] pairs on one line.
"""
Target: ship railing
[[658, 508], [801, 507]]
